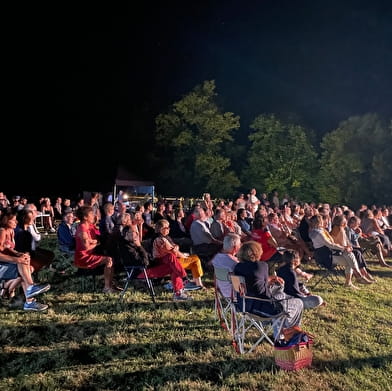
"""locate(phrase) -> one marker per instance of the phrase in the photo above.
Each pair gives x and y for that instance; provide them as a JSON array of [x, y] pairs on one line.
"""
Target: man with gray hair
[[226, 259]]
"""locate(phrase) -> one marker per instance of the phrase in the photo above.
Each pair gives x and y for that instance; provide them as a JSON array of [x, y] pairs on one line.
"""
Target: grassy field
[[91, 341]]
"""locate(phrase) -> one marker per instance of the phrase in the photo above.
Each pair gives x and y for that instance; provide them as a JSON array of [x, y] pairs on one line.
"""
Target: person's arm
[[377, 227], [34, 232], [272, 242], [207, 234], [88, 243], [270, 239], [320, 239], [3, 246], [23, 258]]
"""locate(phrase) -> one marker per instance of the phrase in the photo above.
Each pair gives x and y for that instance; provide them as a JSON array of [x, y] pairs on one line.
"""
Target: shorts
[[8, 271]]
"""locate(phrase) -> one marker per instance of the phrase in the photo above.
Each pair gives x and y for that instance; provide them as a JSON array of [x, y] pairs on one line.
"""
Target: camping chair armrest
[[259, 299], [272, 301]]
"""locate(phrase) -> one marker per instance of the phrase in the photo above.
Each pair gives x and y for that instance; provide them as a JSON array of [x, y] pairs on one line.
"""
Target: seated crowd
[[184, 242]]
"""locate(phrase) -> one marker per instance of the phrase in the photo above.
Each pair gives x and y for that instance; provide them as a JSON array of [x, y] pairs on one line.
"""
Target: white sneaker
[[181, 296]]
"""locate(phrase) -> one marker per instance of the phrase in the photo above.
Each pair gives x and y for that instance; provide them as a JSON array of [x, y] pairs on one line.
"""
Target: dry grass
[[90, 341]]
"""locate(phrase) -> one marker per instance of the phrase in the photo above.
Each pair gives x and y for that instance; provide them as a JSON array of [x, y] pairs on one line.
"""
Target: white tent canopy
[[130, 183]]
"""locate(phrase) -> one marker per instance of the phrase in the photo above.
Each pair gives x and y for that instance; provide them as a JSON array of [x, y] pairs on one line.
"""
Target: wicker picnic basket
[[295, 356]]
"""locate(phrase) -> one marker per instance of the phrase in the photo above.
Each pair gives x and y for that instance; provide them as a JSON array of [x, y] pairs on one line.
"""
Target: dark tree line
[[196, 151]]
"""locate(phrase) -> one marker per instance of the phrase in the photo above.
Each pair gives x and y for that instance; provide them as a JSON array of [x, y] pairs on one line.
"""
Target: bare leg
[[380, 257], [12, 285], [108, 272], [197, 281], [25, 272]]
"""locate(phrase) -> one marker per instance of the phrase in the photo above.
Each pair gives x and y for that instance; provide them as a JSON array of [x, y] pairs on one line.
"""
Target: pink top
[[9, 238], [161, 247], [81, 254]]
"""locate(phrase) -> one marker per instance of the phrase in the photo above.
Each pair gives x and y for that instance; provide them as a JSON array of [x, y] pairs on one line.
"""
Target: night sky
[[99, 74]]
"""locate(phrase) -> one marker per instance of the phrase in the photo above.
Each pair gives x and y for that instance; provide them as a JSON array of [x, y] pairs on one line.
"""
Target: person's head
[[68, 217], [122, 207], [290, 257], [32, 207], [8, 220], [179, 213], [162, 227], [348, 213], [126, 219], [168, 206], [339, 221], [273, 218], [241, 214], [377, 213], [25, 217], [259, 222], [231, 243], [108, 209], [323, 211], [316, 221], [160, 207], [148, 206], [353, 222], [86, 214], [250, 251], [220, 214], [137, 218], [138, 208], [200, 214], [309, 212]]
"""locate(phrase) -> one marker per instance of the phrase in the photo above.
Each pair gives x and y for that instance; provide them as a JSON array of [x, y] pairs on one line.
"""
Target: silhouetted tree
[[282, 158], [191, 137]]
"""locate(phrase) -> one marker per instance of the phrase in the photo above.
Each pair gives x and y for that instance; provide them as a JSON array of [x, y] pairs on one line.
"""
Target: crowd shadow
[[215, 372]]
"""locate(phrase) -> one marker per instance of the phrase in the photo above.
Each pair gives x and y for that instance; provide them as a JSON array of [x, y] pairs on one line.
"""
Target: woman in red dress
[[86, 241]]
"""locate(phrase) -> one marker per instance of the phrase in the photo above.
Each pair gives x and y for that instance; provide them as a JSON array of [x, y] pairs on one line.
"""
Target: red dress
[[86, 259]]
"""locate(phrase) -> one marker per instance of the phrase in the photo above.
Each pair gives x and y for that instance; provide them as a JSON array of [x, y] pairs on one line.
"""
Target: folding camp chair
[[132, 272], [224, 307], [264, 325], [327, 270]]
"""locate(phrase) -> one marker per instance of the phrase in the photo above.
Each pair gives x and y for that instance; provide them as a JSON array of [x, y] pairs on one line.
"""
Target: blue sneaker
[[191, 286], [168, 286], [34, 306], [34, 290]]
